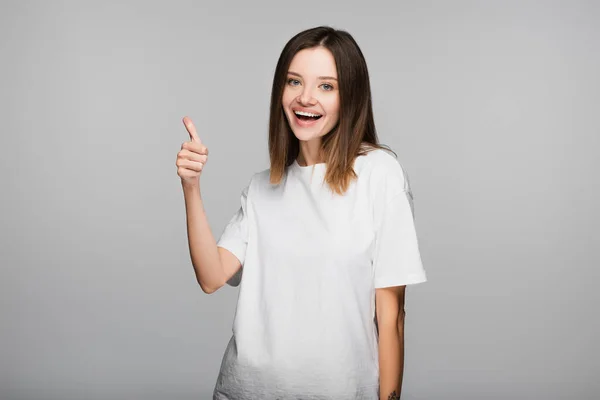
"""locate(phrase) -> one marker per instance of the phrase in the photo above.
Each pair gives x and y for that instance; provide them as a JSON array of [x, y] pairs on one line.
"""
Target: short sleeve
[[235, 236], [396, 257]]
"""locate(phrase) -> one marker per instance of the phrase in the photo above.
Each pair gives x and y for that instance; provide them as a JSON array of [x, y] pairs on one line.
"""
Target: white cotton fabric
[[304, 325]]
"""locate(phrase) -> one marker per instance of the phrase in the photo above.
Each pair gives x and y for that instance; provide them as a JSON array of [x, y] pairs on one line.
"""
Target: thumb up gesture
[[192, 157]]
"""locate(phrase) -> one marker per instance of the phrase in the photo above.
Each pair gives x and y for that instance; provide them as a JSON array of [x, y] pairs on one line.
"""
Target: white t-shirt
[[304, 325]]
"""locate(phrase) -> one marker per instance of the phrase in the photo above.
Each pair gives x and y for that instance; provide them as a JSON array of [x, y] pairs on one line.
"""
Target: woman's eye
[[327, 86], [293, 81]]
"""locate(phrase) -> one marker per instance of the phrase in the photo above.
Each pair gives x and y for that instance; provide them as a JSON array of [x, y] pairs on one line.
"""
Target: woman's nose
[[306, 97]]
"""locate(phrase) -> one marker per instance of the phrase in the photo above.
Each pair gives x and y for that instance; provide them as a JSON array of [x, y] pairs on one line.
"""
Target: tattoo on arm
[[394, 396]]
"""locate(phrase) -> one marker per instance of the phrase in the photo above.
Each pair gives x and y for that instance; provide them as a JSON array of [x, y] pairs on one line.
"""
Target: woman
[[323, 244]]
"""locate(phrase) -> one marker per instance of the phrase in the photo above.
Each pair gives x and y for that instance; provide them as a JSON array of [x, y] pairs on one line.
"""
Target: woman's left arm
[[389, 303]]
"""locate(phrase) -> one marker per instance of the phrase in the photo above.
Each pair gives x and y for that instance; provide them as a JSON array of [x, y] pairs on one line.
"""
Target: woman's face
[[311, 87]]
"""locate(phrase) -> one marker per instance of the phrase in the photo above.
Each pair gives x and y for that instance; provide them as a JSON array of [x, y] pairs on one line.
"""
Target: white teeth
[[306, 114]]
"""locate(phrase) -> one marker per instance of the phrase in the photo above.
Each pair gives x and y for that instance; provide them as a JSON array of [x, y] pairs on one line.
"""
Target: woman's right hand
[[192, 157]]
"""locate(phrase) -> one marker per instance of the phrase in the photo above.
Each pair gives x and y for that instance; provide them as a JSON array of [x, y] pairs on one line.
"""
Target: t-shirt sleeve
[[396, 258], [235, 236]]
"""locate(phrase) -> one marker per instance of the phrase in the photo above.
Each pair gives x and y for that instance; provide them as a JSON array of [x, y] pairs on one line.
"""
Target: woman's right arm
[[213, 265]]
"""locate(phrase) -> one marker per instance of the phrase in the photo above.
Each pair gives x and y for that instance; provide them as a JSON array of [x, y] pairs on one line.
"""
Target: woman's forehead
[[317, 61]]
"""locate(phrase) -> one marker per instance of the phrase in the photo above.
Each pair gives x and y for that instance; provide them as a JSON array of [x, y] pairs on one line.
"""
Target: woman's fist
[[192, 157]]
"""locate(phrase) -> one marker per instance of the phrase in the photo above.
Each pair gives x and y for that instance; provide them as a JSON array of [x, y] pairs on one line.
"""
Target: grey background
[[492, 108]]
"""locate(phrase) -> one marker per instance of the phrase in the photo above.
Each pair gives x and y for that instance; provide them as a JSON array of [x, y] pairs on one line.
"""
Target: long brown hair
[[353, 135]]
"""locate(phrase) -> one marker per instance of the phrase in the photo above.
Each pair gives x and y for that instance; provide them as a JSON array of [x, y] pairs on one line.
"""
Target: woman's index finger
[[189, 125]]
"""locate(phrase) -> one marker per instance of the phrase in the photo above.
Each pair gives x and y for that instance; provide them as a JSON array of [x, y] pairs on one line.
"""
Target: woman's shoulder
[[378, 157], [383, 168], [258, 180]]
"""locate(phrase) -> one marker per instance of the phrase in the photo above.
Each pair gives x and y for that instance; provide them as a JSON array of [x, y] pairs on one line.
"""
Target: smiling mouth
[[304, 116]]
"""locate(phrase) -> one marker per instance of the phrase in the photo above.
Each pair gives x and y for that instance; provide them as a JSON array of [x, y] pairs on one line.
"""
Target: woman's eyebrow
[[319, 77]]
